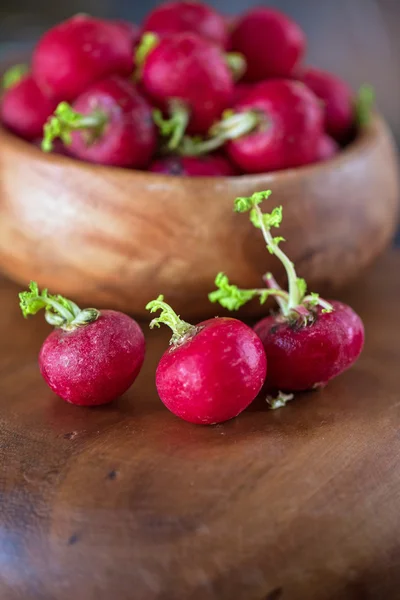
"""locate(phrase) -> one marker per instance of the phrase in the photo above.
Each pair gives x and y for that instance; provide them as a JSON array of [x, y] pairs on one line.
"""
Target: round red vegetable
[[310, 340], [130, 29], [186, 16], [241, 90], [327, 148], [212, 371], [191, 166], [194, 74], [93, 356], [338, 100], [308, 356], [77, 52], [278, 125], [25, 108], [289, 126], [272, 44], [110, 124]]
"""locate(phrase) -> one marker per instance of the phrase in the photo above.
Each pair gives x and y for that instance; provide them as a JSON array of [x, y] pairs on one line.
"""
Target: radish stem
[[180, 329], [60, 312], [230, 127], [66, 119], [294, 297], [175, 126]]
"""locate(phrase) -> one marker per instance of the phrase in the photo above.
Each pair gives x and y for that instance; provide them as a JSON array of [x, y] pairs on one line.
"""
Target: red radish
[[230, 22], [130, 29], [241, 90], [93, 356], [278, 125], [191, 166], [212, 371], [327, 148], [272, 44], [186, 16], [304, 358], [338, 102], [193, 74], [24, 107], [310, 340], [110, 124], [77, 52]]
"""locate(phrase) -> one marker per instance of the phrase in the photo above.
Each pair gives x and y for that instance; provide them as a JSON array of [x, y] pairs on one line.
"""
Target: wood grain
[[126, 502], [119, 238]]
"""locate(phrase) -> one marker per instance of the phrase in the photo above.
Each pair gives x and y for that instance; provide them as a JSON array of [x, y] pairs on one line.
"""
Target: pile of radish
[[191, 92], [214, 369]]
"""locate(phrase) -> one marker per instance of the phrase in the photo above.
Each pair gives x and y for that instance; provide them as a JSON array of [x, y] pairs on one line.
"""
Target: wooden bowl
[[118, 238]]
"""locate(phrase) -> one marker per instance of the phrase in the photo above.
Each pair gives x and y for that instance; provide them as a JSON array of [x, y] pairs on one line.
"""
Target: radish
[[305, 358], [212, 371], [188, 77], [130, 29], [110, 124], [241, 90], [309, 341], [338, 102], [278, 125], [186, 16], [272, 44], [77, 52], [24, 107], [92, 356], [327, 148], [188, 166]]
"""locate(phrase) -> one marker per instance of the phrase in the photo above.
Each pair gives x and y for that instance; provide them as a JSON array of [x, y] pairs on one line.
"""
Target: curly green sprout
[[293, 303], [180, 329], [59, 311], [66, 120], [230, 127], [173, 127]]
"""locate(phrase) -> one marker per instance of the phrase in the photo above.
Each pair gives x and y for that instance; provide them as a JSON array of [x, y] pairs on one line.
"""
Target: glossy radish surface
[[307, 357], [272, 44], [327, 148], [309, 341], [212, 371], [110, 124], [191, 70], [77, 52], [241, 90], [25, 108], [188, 17], [92, 357], [277, 125], [188, 166], [130, 29], [338, 100], [212, 82], [288, 132]]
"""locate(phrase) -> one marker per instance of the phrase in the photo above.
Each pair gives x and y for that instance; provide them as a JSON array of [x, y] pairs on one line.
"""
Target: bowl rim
[[363, 140]]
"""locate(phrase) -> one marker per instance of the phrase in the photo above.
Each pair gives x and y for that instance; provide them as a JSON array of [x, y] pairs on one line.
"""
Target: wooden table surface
[[126, 502]]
